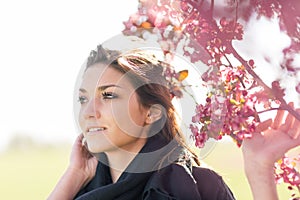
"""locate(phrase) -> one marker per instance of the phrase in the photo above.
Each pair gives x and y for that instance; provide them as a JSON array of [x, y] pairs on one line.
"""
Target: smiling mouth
[[95, 129]]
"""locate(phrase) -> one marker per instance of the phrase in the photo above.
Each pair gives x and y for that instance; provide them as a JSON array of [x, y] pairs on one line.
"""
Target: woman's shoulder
[[211, 185], [180, 182]]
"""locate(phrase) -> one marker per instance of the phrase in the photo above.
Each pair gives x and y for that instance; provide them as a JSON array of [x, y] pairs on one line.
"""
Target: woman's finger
[[278, 119], [79, 139], [286, 125], [289, 121], [261, 127], [83, 142], [294, 131]]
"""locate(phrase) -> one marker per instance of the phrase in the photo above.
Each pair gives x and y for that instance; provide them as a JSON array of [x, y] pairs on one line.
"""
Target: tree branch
[[267, 89], [212, 5]]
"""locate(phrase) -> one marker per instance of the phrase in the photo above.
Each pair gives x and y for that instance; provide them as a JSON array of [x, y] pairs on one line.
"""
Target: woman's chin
[[94, 149]]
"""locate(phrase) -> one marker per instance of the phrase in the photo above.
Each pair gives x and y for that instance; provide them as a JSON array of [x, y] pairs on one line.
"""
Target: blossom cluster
[[286, 172], [230, 106]]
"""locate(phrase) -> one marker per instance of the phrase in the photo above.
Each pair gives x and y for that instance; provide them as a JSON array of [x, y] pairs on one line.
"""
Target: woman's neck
[[120, 158]]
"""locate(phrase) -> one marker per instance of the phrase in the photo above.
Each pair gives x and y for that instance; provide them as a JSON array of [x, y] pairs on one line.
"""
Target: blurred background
[[42, 47]]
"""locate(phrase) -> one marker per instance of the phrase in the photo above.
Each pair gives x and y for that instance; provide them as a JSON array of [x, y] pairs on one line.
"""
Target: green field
[[32, 173]]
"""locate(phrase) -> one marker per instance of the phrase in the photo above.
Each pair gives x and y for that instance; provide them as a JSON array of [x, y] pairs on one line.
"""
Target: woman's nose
[[91, 110]]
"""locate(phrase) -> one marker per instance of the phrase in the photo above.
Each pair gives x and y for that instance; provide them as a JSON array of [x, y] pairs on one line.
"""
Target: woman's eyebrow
[[104, 87], [101, 88], [82, 90]]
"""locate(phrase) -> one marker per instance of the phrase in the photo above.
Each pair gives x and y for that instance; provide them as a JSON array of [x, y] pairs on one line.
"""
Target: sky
[[42, 47]]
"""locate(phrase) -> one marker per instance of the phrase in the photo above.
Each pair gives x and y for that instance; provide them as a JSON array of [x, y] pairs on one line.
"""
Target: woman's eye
[[82, 99], [109, 95]]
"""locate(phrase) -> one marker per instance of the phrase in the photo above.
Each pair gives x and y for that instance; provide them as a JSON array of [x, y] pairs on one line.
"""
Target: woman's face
[[111, 116]]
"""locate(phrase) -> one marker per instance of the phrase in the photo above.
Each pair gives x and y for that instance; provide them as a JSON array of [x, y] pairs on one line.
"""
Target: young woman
[[133, 147]]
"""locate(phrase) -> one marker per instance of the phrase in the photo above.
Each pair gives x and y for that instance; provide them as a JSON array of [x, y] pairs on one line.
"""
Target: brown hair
[[145, 72]]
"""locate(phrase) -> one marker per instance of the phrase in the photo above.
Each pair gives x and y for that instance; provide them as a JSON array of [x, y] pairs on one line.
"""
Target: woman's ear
[[154, 113]]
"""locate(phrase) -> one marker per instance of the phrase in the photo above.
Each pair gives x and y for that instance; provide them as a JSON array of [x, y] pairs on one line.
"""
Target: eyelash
[[82, 99], [105, 96], [108, 95]]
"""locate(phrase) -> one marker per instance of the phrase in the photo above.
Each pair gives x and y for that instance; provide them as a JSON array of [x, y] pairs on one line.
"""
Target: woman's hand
[[271, 141], [81, 161], [81, 170]]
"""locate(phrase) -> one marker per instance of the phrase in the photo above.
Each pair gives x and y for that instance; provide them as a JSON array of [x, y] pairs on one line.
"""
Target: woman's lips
[[95, 130]]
